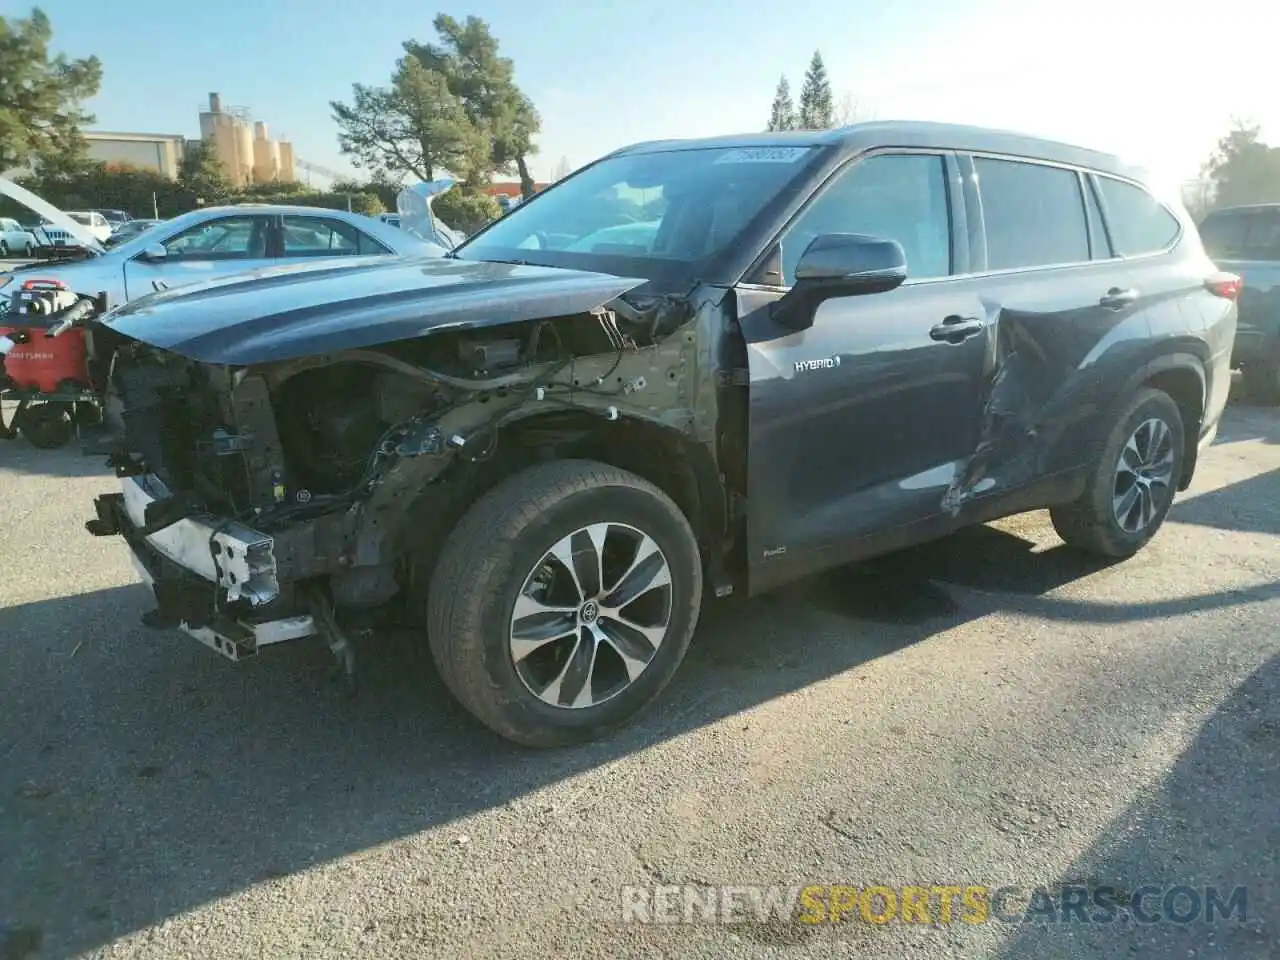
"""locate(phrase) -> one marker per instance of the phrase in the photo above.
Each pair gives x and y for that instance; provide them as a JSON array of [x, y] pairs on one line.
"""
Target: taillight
[[45, 285], [1225, 285]]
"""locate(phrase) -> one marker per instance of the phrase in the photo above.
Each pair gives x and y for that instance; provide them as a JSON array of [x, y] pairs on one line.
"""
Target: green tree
[[465, 210], [782, 115], [484, 81], [203, 175], [41, 116], [416, 126], [816, 109], [1243, 168]]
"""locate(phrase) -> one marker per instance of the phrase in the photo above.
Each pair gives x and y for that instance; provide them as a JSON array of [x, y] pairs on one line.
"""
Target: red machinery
[[45, 364]]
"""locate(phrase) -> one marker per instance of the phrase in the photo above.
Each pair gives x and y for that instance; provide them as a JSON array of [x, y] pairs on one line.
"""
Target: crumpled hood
[[280, 313]]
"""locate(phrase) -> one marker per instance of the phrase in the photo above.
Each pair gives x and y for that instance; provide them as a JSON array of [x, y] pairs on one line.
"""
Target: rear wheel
[[564, 601], [1133, 483], [4, 250]]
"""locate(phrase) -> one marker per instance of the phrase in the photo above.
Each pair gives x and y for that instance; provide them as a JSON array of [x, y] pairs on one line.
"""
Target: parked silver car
[[215, 242]]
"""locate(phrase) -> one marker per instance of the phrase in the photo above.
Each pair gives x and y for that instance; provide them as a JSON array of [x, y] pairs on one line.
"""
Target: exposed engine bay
[[346, 460]]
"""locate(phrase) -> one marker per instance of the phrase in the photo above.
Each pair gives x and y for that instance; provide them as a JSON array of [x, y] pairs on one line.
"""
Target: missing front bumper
[[200, 568], [234, 557]]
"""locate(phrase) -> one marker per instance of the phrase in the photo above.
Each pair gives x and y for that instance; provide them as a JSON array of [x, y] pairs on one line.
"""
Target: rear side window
[[1242, 235], [1139, 223], [1034, 214]]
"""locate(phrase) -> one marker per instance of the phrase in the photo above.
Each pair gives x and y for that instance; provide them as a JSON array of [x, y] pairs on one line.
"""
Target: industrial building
[[243, 145], [160, 152]]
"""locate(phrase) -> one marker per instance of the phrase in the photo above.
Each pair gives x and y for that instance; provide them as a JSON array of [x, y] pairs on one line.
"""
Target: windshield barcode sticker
[[764, 155]]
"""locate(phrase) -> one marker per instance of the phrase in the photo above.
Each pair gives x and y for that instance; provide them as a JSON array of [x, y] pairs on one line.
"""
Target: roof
[[283, 209], [903, 133], [147, 137]]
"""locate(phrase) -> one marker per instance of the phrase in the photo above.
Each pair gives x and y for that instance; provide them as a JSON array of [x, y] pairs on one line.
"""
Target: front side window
[[325, 237], [227, 238], [1139, 223], [899, 197], [1034, 214], [645, 214]]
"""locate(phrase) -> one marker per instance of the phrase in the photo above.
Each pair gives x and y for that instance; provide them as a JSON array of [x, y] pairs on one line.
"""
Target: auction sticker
[[764, 155]]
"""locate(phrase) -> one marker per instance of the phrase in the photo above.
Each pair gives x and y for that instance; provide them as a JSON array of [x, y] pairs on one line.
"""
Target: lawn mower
[[45, 364]]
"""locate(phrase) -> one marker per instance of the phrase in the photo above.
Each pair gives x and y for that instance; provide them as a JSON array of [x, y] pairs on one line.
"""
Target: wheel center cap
[[590, 612]]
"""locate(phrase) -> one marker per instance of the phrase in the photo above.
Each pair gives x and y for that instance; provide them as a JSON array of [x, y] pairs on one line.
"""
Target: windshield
[[646, 215], [81, 218]]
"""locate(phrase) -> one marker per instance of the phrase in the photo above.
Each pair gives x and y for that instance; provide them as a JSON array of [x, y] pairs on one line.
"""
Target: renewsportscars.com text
[[935, 903]]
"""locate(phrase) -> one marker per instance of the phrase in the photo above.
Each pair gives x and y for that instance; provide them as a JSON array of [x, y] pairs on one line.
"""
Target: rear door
[[1046, 270], [860, 423], [213, 248]]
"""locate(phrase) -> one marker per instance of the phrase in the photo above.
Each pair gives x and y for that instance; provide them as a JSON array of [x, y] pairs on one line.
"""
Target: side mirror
[[840, 265], [154, 253]]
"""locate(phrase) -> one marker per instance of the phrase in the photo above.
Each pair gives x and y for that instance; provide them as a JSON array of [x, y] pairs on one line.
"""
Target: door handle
[[955, 329], [1115, 298]]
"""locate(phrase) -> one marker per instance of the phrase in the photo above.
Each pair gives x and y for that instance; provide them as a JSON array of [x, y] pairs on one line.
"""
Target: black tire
[[1090, 523], [484, 565], [47, 425], [4, 250], [1262, 382]]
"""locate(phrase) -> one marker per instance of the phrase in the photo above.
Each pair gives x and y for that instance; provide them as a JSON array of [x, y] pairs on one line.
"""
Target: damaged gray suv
[[691, 368]]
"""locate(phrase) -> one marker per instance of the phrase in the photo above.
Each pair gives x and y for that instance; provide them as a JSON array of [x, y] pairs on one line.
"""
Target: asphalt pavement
[[990, 710]]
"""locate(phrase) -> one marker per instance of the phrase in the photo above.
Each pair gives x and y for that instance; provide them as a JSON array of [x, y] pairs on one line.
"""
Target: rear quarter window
[[1139, 223]]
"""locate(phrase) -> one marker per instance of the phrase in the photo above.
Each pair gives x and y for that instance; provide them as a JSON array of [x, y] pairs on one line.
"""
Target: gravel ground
[[985, 710]]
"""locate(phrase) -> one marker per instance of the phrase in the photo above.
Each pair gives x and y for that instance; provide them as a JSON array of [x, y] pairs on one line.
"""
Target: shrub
[[465, 210]]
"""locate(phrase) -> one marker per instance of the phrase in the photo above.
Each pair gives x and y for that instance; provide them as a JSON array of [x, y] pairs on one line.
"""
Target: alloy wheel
[[591, 615], [1144, 476]]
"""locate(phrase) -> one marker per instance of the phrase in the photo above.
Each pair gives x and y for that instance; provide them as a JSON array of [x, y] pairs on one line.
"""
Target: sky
[[1157, 82]]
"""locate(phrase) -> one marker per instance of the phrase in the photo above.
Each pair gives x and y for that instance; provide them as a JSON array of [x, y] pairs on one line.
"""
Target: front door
[[211, 249], [860, 424]]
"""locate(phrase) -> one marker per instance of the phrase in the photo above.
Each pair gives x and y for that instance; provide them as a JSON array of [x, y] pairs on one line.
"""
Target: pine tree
[[816, 109], [782, 116]]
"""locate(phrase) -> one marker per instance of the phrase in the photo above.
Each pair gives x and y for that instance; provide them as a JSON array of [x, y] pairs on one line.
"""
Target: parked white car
[[210, 243], [15, 239], [94, 222]]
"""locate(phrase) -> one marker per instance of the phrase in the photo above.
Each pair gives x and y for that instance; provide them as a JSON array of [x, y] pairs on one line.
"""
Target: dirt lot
[[987, 710]]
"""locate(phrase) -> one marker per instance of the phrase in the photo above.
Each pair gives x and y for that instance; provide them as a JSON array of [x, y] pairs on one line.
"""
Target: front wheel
[[4, 250], [564, 601], [1132, 486]]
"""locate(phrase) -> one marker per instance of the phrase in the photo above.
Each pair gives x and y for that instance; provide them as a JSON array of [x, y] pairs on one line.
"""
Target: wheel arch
[[667, 457], [1182, 376]]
